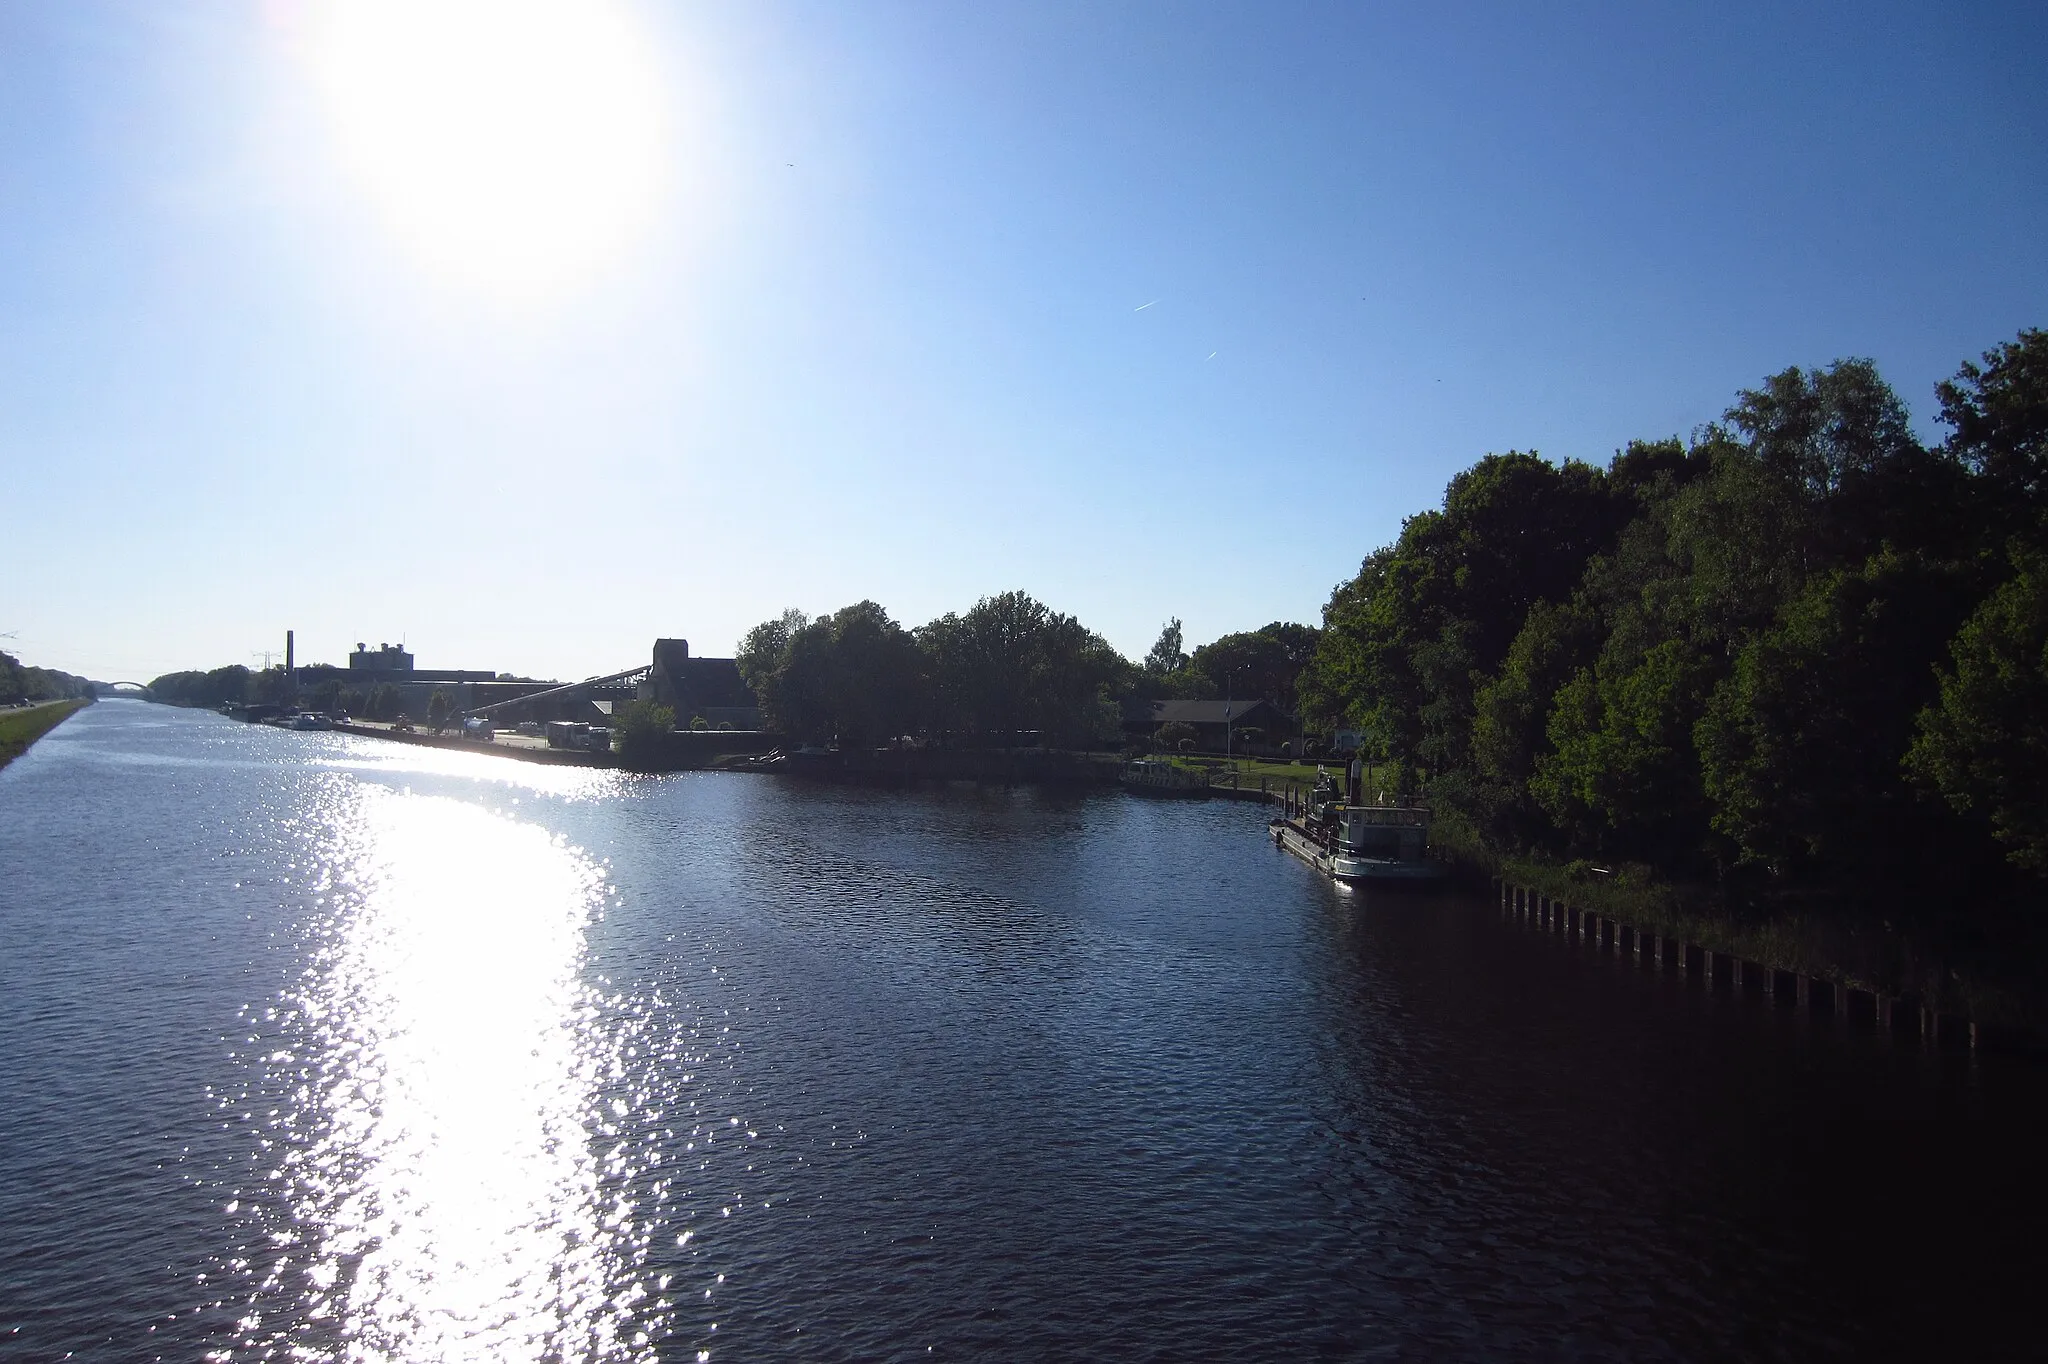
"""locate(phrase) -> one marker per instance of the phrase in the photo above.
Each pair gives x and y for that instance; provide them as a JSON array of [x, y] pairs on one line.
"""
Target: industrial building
[[710, 689]]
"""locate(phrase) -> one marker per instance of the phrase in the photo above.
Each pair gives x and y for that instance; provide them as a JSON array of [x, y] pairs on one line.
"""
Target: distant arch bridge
[[140, 689]]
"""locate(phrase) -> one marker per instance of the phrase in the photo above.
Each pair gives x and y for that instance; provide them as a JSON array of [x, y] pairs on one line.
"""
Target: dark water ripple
[[315, 1048]]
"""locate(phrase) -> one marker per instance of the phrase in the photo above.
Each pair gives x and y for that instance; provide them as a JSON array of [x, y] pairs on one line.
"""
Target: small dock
[[1293, 838]]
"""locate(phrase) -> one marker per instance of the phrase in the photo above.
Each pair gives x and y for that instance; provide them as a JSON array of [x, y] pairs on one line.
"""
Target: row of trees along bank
[[22, 682], [1800, 652], [322, 687], [1009, 667]]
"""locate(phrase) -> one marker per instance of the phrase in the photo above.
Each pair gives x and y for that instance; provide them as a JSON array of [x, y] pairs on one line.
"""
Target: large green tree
[[1999, 415], [1404, 641], [855, 676], [220, 687], [1823, 428], [1167, 654], [1010, 664], [1621, 777], [765, 646], [1265, 663], [1801, 743], [1984, 743], [1511, 715]]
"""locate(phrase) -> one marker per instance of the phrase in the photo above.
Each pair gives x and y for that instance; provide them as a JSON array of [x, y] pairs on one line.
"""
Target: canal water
[[316, 1047]]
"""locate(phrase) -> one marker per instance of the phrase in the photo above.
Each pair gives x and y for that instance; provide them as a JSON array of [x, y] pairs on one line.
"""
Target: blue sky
[[1159, 310]]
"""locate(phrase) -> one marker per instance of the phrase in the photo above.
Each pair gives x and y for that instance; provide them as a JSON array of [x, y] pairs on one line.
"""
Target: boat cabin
[[1377, 831]]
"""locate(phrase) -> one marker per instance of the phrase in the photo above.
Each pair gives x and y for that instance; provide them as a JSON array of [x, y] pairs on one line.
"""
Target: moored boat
[[1351, 841]]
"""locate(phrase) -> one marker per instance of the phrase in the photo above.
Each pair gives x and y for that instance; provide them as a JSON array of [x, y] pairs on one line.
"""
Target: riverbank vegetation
[[1793, 664], [643, 731], [20, 682], [228, 686], [322, 687], [1008, 671]]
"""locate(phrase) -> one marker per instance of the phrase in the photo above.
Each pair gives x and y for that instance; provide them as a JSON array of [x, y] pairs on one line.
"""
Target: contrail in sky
[[1143, 306]]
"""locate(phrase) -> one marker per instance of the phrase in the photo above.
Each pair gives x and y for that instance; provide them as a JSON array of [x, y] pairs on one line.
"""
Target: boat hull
[[1345, 867]]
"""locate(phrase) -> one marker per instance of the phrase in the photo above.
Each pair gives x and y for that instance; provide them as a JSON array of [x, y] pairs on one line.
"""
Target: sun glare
[[449, 1197], [514, 145]]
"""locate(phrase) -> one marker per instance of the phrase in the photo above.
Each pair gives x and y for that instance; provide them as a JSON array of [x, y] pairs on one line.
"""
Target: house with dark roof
[[710, 687], [1213, 722]]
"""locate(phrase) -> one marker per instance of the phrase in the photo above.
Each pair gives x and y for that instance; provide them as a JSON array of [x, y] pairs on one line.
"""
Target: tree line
[[228, 686], [1799, 648], [23, 682], [1008, 670]]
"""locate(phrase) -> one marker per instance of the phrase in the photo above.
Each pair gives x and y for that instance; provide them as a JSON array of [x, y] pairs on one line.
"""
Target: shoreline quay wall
[[1902, 1017]]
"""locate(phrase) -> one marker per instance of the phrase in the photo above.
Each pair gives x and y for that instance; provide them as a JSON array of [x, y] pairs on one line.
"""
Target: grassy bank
[[1383, 782], [1278, 775], [21, 728]]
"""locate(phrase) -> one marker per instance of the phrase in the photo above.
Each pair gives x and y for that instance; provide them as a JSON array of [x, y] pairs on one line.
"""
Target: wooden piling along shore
[[1900, 1016]]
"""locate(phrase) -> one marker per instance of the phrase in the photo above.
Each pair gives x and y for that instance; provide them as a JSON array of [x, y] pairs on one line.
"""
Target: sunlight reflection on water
[[382, 758], [444, 1198]]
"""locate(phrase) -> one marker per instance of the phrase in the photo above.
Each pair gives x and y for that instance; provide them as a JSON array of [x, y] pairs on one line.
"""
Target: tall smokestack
[[288, 666]]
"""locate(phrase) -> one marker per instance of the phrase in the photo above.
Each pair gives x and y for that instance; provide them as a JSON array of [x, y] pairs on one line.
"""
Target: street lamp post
[[1229, 705]]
